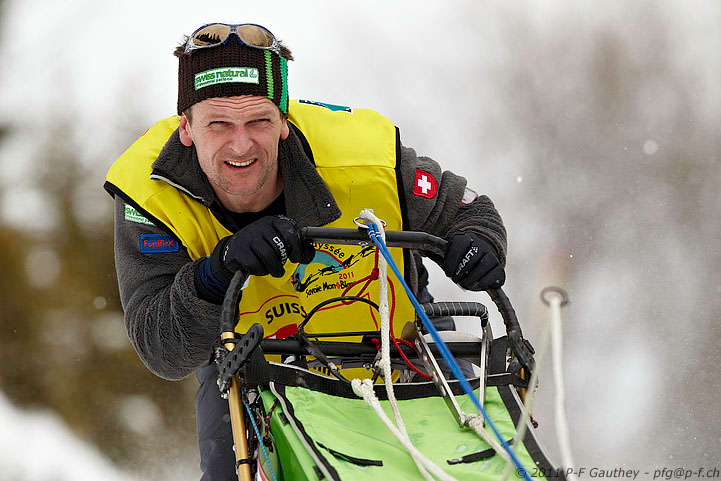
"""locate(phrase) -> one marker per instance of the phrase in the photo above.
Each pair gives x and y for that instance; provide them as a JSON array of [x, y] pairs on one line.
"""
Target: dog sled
[[300, 418]]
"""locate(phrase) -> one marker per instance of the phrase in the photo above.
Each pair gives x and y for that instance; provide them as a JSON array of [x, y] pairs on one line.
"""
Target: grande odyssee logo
[[328, 260]]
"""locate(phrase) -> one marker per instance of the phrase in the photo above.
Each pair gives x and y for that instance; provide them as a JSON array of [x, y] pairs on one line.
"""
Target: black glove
[[472, 263], [259, 249]]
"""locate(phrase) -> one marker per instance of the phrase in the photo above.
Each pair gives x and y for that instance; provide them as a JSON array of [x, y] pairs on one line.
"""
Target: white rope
[[564, 441], [475, 421], [365, 388]]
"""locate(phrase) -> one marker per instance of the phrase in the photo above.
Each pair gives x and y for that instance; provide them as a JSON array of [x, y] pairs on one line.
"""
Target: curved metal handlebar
[[229, 314], [405, 239]]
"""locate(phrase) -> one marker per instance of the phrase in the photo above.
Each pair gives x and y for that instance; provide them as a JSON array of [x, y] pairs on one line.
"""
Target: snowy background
[[594, 127]]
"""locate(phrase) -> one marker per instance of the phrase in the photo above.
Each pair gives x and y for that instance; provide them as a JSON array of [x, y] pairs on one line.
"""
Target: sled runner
[[303, 419]]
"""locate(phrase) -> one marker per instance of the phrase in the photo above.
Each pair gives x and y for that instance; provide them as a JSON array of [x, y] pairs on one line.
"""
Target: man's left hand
[[472, 263]]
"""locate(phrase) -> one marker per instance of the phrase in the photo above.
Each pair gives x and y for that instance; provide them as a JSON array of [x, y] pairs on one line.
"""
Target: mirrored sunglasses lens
[[211, 35], [255, 36]]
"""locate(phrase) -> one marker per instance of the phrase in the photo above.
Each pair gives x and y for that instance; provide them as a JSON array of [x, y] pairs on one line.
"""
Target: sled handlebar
[[405, 239], [420, 241]]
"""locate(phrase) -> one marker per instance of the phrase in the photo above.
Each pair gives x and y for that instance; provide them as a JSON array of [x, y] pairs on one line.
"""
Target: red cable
[[408, 362], [376, 342]]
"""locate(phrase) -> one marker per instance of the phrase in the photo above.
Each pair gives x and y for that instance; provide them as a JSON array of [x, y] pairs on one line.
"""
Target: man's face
[[236, 139]]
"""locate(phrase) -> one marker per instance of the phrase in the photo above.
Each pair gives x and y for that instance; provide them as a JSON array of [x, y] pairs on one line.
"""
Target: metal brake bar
[[424, 348], [438, 378]]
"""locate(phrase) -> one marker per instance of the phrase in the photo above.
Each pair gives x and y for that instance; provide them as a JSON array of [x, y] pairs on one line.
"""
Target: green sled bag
[[316, 428]]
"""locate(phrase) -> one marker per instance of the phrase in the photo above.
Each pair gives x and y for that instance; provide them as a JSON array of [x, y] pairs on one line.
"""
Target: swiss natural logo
[[132, 215], [248, 75]]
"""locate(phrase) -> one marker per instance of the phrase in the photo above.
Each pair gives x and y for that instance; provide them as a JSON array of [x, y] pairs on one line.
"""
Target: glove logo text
[[469, 255], [281, 248]]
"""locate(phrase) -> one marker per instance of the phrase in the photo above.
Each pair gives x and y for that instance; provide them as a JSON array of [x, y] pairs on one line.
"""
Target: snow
[[37, 445]]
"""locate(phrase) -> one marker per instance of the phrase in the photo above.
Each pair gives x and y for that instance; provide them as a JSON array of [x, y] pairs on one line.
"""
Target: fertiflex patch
[[158, 244]]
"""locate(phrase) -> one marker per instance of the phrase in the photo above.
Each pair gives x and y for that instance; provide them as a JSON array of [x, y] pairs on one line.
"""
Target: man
[[227, 185]]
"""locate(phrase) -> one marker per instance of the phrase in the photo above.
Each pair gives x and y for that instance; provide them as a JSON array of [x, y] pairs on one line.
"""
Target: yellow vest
[[355, 154]]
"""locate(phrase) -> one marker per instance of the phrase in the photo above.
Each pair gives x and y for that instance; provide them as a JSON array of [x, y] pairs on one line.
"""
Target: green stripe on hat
[[269, 73], [284, 79]]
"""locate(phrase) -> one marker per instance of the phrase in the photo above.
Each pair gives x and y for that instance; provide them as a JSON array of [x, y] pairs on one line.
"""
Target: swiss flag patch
[[425, 185]]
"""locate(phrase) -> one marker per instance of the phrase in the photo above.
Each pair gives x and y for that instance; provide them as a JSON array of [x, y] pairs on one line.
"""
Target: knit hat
[[229, 70]]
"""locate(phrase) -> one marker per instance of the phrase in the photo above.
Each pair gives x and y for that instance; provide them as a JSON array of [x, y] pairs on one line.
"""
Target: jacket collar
[[307, 199]]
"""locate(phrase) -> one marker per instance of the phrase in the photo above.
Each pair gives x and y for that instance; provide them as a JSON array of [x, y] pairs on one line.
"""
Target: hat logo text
[[215, 76]]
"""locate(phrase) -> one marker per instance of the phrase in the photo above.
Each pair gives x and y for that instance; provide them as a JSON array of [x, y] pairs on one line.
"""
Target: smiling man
[[236, 140], [226, 184]]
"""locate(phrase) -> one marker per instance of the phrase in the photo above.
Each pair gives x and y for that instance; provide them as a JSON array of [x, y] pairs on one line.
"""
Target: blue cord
[[260, 441], [445, 352]]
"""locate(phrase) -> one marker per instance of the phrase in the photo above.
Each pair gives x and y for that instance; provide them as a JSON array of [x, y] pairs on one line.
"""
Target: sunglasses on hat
[[216, 34]]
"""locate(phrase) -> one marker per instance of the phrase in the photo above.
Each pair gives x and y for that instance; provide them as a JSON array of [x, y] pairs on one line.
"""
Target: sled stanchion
[[237, 421], [238, 424], [260, 443]]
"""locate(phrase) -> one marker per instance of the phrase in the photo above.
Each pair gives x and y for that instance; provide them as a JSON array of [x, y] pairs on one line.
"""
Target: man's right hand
[[260, 248]]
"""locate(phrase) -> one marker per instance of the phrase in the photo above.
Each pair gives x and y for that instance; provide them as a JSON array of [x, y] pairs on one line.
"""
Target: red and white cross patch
[[425, 185]]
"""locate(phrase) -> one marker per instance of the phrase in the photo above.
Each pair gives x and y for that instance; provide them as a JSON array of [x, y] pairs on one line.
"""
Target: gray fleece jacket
[[173, 330]]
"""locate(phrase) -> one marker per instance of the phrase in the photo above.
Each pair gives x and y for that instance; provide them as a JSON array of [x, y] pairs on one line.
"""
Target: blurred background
[[594, 127]]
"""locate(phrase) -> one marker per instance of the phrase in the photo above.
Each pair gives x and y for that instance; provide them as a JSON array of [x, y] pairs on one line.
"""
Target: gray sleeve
[[443, 215], [173, 331]]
